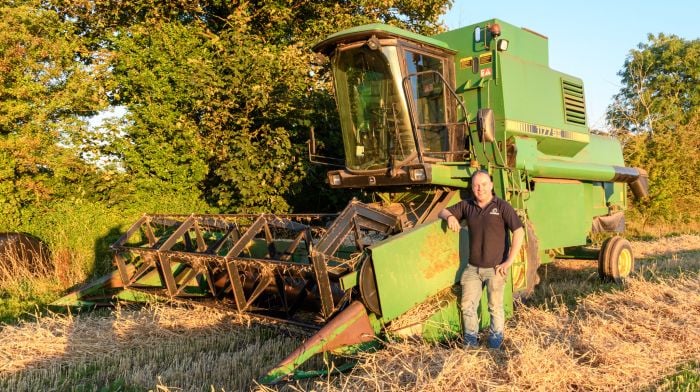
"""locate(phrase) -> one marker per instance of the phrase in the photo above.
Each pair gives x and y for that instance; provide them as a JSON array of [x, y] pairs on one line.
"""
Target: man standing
[[489, 219]]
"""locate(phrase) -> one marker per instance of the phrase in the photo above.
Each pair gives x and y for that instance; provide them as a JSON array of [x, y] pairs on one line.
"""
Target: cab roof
[[380, 30]]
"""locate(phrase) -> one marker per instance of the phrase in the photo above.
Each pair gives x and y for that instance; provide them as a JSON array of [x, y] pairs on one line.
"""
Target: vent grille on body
[[574, 102]]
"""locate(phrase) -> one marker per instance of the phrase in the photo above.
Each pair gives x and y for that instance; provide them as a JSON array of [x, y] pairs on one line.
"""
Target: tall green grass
[[686, 380], [78, 233]]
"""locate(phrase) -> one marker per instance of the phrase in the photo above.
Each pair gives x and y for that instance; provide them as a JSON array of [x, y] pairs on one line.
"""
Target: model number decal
[[534, 129]]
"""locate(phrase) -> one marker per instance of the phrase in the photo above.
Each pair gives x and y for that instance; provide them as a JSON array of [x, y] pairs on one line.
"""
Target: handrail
[[412, 110]]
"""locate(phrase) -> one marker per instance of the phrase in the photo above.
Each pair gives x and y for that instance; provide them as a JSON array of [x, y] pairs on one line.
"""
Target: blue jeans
[[473, 281]]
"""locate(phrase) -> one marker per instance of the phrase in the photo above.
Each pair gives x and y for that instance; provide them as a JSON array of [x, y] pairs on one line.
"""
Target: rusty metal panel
[[414, 265]]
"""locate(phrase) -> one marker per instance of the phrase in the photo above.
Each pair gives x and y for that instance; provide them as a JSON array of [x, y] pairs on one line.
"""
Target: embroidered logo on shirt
[[494, 211]]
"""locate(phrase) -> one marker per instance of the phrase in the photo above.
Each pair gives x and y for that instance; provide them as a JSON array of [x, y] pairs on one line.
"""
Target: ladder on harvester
[[524, 269]]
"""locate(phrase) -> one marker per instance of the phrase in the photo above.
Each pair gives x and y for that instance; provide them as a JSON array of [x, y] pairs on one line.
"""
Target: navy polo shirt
[[488, 242]]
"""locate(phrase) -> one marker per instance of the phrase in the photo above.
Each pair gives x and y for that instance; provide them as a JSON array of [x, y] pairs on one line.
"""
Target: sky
[[588, 39]]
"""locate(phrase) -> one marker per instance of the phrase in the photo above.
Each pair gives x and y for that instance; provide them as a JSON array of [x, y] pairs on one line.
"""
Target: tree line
[[219, 97], [656, 115]]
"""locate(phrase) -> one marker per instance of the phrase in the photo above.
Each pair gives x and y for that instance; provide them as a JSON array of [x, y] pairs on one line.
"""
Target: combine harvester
[[418, 115]]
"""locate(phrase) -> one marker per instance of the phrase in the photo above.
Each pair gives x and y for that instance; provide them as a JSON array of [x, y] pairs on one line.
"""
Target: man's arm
[[452, 221], [518, 236]]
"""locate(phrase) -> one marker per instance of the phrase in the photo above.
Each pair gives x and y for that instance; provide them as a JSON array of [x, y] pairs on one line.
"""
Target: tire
[[616, 260], [602, 270]]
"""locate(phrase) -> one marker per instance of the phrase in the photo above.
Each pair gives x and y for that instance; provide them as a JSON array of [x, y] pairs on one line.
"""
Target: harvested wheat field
[[575, 334]]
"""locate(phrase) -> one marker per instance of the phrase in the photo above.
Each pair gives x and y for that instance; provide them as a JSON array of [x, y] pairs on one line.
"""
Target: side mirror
[[486, 125]]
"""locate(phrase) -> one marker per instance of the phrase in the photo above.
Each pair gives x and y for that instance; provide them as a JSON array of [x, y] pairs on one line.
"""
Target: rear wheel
[[615, 261]]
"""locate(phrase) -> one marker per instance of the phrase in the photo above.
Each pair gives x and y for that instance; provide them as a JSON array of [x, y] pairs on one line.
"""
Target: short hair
[[478, 172]]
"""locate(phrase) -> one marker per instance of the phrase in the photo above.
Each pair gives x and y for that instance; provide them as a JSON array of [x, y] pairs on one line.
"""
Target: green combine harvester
[[418, 115]]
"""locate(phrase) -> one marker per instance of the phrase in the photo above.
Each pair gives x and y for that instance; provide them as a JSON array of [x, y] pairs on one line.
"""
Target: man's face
[[482, 187]]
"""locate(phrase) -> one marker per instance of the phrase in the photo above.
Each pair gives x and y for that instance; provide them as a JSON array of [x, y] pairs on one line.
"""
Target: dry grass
[[606, 339], [666, 246], [625, 340], [423, 311], [576, 334], [26, 277], [635, 227], [191, 346], [19, 265]]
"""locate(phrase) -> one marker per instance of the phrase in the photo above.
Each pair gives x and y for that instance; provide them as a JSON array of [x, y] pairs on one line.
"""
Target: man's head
[[482, 187]]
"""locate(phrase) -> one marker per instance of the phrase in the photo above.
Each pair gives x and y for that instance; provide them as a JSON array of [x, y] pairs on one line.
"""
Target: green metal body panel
[[453, 174], [616, 194], [596, 162], [444, 324], [517, 84], [532, 94], [525, 44], [559, 212], [350, 280], [414, 265]]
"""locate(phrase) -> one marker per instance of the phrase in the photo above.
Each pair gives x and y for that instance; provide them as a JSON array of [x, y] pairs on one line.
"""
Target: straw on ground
[[611, 339]]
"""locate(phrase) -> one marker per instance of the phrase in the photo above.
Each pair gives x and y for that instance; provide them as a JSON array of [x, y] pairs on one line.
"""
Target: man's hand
[[502, 268], [518, 236], [453, 223]]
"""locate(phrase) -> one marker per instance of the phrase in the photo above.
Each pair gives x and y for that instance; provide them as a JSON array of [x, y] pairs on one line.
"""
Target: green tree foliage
[[221, 95], [45, 96], [219, 98], [657, 116]]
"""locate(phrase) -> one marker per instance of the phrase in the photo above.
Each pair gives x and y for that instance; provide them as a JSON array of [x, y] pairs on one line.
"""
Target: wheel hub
[[624, 262]]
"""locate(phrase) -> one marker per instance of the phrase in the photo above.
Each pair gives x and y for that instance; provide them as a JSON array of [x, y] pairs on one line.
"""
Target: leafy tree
[[656, 114], [221, 95], [44, 98]]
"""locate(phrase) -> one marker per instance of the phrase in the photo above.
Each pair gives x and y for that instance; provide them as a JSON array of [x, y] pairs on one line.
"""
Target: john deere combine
[[418, 115]]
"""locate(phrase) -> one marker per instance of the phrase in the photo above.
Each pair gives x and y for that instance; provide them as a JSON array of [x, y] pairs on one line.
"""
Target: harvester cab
[[399, 111], [419, 115]]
